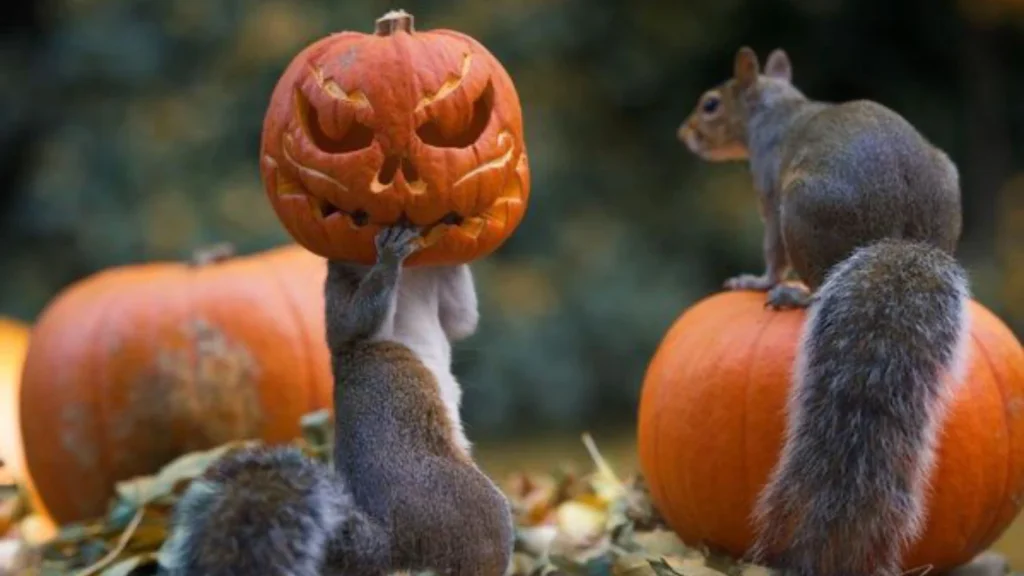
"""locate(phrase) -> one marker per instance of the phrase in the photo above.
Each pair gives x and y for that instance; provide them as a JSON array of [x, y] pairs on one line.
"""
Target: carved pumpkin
[[712, 422], [136, 365], [365, 130]]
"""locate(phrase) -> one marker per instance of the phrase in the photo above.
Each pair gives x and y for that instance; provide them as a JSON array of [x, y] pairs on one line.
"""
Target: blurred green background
[[129, 132]]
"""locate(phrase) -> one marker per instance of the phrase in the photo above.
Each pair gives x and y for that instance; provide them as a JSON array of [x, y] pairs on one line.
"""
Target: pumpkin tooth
[[501, 210], [435, 234], [474, 227]]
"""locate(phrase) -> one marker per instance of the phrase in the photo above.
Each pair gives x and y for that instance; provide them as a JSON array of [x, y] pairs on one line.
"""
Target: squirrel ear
[[745, 67], [778, 65]]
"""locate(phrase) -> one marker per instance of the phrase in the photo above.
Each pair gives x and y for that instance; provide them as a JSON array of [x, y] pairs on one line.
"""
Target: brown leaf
[[141, 490], [126, 566], [633, 565], [661, 543]]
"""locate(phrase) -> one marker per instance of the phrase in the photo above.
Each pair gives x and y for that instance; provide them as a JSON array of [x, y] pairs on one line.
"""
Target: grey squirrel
[[405, 493], [867, 213]]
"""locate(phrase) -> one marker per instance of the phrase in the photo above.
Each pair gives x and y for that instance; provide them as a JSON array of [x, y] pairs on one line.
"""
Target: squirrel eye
[[710, 105]]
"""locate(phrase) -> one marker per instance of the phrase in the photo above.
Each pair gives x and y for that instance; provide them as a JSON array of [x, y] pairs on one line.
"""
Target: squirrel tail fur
[[268, 511], [883, 347]]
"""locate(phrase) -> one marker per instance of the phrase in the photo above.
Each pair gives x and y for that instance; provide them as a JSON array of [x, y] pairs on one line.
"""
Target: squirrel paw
[[784, 296], [396, 243], [759, 283]]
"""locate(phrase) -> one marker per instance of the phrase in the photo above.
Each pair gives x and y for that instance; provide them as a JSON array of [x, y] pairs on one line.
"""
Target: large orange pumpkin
[[135, 365], [14, 336], [711, 425], [366, 130]]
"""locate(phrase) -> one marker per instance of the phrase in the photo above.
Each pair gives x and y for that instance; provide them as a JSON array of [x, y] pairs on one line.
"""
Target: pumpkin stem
[[212, 254], [393, 21]]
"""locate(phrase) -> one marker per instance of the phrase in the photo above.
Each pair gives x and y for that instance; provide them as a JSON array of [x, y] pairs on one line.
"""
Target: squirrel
[[405, 493], [866, 212]]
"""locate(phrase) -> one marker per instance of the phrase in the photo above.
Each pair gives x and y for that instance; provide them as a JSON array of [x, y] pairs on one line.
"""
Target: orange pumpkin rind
[[136, 365], [365, 131], [712, 421]]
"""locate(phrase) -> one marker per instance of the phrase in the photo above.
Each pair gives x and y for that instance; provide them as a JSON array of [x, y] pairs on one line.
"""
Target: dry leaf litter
[[567, 525]]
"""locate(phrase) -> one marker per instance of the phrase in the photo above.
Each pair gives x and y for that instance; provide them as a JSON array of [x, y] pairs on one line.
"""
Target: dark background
[[129, 132]]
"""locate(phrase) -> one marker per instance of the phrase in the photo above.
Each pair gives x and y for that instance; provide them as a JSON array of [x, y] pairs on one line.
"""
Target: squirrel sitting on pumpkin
[[867, 213], [405, 493]]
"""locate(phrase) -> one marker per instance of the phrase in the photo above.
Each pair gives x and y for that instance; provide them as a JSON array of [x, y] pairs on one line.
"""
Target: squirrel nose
[[393, 164]]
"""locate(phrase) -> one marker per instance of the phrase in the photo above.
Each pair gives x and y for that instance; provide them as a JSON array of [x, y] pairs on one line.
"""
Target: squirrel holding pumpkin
[[867, 213], [405, 493]]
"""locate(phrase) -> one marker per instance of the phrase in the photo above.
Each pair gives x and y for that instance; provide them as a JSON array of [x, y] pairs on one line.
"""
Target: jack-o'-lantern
[[364, 131]]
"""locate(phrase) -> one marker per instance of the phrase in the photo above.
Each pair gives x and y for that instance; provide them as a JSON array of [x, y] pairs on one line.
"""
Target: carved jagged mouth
[[471, 224]]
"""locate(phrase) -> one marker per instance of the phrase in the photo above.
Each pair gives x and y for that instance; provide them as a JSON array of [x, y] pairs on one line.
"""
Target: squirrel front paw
[[396, 243], [759, 283]]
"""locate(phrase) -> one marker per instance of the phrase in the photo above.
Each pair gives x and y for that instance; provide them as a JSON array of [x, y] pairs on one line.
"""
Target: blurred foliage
[[129, 131]]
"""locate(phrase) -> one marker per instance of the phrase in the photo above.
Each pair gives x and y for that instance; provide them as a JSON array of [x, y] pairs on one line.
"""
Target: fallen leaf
[[661, 543], [633, 565], [142, 490], [126, 566]]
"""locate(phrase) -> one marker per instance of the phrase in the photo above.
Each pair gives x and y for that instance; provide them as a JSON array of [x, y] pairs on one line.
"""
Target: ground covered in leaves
[[573, 525]]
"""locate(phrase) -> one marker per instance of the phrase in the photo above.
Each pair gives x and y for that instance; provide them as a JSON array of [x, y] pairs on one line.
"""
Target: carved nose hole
[[389, 169], [391, 166], [409, 171]]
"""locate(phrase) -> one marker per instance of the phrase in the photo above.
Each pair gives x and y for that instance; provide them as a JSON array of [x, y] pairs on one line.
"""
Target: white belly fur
[[417, 325]]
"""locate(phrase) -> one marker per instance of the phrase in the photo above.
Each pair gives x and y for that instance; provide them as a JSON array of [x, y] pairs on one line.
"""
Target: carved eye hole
[[357, 137], [431, 133]]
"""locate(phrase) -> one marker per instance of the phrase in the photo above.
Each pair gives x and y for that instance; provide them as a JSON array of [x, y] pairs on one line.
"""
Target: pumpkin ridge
[[656, 487], [665, 496], [401, 45], [995, 512], [652, 472], [84, 291], [739, 312], [186, 315], [98, 356], [744, 431], [663, 390], [306, 339]]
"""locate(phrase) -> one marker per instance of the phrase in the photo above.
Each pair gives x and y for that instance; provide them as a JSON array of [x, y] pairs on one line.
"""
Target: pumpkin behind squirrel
[[14, 336], [367, 130], [138, 364], [712, 420]]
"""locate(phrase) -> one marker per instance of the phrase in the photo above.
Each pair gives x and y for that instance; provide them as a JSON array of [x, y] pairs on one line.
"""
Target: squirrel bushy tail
[[883, 346], [267, 511]]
